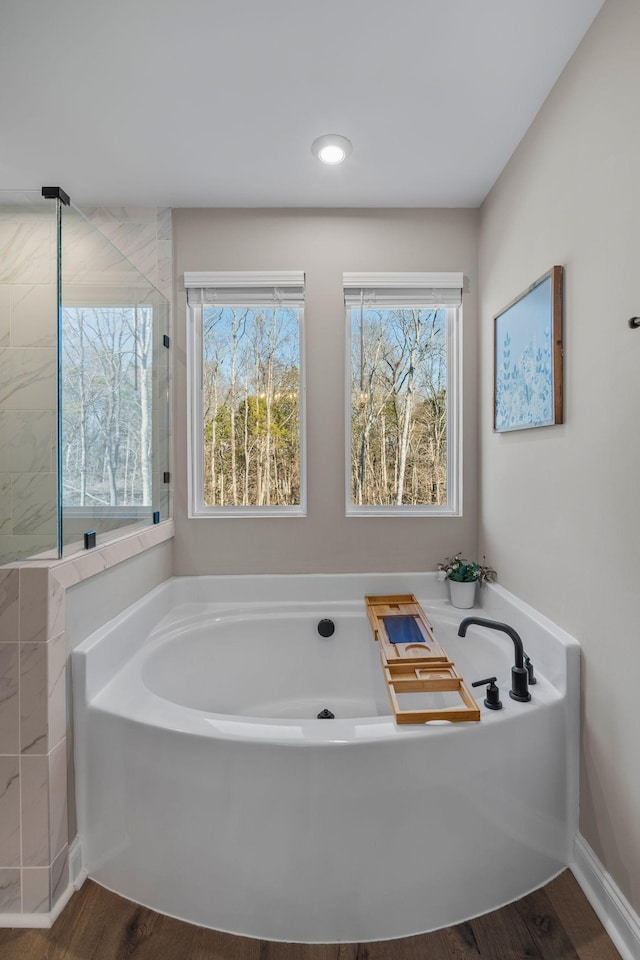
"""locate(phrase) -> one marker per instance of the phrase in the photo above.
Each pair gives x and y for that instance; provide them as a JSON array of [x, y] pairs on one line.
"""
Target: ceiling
[[216, 102]]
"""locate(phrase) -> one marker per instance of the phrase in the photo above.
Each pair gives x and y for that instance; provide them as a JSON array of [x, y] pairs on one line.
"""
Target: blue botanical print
[[524, 394], [524, 366]]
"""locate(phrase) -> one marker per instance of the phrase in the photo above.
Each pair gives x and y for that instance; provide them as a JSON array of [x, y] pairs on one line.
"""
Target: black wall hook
[[634, 322]]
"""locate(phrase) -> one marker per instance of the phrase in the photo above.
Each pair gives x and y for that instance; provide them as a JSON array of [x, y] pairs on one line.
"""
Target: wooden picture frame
[[528, 357]]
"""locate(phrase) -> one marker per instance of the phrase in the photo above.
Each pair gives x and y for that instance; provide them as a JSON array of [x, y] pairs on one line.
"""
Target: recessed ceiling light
[[331, 148]]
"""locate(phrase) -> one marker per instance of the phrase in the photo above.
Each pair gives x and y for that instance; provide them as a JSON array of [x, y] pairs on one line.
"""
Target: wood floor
[[555, 923]]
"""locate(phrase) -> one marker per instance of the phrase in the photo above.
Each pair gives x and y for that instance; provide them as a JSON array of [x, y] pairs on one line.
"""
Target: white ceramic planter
[[463, 595]]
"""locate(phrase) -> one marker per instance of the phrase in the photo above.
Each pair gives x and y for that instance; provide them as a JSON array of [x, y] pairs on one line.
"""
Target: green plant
[[465, 571]]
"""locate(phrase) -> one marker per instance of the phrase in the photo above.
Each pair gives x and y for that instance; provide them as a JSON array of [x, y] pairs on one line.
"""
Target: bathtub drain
[[326, 715]]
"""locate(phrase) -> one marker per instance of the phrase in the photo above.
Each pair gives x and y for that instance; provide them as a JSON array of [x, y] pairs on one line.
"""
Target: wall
[[94, 601], [33, 800], [28, 367], [36, 809], [143, 235], [560, 506], [324, 243]]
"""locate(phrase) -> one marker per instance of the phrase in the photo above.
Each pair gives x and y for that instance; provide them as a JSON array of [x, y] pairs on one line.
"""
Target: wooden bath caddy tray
[[414, 662]]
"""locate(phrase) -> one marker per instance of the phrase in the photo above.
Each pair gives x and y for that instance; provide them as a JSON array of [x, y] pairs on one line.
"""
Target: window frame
[[196, 507], [403, 286]]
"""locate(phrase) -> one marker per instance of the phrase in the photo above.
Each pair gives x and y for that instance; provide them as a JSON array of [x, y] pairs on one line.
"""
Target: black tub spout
[[519, 673]]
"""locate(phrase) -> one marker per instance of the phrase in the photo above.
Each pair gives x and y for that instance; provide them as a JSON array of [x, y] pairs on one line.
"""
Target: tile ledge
[[87, 563], [157, 533]]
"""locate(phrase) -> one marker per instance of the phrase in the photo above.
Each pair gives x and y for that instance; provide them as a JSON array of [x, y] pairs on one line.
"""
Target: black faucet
[[519, 673]]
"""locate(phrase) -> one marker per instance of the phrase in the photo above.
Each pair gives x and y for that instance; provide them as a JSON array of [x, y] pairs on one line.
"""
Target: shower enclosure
[[84, 383]]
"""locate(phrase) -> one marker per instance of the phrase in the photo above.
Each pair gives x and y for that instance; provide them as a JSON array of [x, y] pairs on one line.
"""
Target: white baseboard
[[38, 920], [27, 920], [77, 873], [614, 911]]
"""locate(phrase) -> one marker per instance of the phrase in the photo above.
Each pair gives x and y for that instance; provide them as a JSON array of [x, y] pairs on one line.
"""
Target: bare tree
[[247, 357], [398, 406], [107, 404]]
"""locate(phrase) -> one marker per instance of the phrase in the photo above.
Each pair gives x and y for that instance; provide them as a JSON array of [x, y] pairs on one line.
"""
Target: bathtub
[[208, 789]]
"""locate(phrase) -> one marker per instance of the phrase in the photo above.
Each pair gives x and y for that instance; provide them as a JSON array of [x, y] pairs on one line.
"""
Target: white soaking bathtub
[[208, 789]]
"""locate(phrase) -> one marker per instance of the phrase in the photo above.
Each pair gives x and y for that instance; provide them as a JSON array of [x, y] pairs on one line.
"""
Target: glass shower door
[[114, 388], [28, 377]]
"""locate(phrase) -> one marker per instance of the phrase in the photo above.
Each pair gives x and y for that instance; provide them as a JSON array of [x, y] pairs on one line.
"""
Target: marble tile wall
[[28, 367], [33, 802], [34, 734], [144, 235]]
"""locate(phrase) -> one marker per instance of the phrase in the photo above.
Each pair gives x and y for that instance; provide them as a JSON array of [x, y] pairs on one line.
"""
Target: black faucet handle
[[529, 667], [492, 699]]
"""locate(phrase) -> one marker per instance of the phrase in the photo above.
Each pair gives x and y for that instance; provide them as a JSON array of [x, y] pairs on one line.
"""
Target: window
[[403, 358], [246, 394], [107, 360]]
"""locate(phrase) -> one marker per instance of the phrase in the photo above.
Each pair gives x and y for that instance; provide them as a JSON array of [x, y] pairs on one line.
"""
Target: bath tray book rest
[[414, 662]]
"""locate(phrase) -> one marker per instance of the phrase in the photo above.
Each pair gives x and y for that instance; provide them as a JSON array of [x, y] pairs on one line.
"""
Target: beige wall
[[560, 506], [324, 243]]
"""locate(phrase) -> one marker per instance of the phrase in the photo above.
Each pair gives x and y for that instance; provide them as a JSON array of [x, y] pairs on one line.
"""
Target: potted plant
[[463, 576]]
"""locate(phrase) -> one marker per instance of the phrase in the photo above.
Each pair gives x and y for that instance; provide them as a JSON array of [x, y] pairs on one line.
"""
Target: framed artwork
[[528, 357]]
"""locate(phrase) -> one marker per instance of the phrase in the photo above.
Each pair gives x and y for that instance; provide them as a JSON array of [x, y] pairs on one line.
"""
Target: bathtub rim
[[150, 609], [102, 683]]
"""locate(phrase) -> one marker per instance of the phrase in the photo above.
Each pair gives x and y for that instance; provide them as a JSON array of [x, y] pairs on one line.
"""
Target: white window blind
[[242, 287], [403, 289]]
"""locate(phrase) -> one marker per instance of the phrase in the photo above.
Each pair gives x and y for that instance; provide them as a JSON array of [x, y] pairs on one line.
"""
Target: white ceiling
[[216, 102]]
